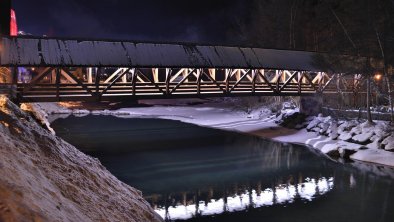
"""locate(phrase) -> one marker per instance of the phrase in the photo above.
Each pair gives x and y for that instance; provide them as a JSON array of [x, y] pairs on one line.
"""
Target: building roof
[[33, 51]]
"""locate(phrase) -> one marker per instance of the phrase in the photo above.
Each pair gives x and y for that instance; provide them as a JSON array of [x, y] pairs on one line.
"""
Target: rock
[[356, 130], [376, 138], [331, 150], [310, 118], [313, 124], [388, 143], [347, 126], [374, 145], [324, 128], [316, 129], [363, 138], [389, 146], [291, 119], [333, 130], [345, 136], [346, 153]]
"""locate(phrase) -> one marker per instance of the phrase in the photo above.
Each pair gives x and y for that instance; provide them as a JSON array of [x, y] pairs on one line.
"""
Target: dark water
[[198, 174]]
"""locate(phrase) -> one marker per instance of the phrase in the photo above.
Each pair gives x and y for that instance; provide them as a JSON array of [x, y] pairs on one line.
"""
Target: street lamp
[[378, 77]]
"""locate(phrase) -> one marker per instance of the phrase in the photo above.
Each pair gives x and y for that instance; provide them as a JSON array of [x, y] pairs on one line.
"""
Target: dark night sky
[[160, 20]]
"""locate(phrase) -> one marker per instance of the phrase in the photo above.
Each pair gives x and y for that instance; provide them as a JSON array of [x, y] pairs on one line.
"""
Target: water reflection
[[281, 194], [197, 174]]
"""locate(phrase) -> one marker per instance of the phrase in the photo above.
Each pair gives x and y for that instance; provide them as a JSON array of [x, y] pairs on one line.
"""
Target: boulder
[[363, 138], [346, 153], [313, 124], [345, 136], [331, 150]]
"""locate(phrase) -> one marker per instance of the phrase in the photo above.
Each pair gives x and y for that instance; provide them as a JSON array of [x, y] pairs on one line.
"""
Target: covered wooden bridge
[[55, 69]]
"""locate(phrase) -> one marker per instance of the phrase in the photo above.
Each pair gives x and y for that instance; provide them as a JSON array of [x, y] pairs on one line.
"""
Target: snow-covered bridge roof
[[33, 51]]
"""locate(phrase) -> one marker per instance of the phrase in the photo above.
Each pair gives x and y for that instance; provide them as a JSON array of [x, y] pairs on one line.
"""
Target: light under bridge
[[55, 69]]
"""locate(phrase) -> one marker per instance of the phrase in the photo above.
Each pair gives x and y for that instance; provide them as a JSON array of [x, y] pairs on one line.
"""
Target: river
[[191, 173]]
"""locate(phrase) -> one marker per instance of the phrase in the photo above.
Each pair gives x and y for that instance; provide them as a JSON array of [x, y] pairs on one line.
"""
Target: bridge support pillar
[[311, 105]]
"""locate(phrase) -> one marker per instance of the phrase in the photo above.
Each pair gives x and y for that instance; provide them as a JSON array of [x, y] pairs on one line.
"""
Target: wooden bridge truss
[[52, 84]]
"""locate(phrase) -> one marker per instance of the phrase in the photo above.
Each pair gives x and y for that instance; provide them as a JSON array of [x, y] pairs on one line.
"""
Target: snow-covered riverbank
[[261, 122], [43, 178]]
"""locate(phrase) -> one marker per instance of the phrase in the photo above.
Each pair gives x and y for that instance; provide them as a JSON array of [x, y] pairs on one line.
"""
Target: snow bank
[[341, 138], [43, 178]]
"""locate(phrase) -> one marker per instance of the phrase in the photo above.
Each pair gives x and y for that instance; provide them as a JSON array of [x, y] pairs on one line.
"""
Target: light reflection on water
[[280, 194], [197, 174]]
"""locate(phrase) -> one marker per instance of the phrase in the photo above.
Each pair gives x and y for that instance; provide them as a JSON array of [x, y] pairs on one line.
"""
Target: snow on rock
[[43, 178], [324, 127], [339, 149], [363, 137], [388, 143], [345, 136], [333, 130], [331, 150], [374, 156], [313, 124], [374, 145]]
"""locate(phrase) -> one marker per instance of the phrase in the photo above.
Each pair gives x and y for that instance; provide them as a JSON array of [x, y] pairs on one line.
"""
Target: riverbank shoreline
[[44, 178], [260, 122]]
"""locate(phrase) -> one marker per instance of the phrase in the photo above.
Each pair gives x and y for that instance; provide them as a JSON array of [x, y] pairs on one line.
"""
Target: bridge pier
[[311, 105]]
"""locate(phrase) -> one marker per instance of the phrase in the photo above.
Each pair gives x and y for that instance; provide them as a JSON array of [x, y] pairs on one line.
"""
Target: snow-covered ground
[[43, 178], [336, 138]]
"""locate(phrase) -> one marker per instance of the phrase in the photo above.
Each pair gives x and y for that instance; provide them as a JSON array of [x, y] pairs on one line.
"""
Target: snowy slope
[[43, 178]]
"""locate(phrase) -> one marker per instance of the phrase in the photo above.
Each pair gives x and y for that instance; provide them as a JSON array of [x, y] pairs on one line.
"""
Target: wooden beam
[[182, 81], [58, 83], [67, 71], [261, 74], [155, 73], [239, 81], [90, 75], [97, 81], [212, 73], [153, 82], [113, 82], [37, 79], [215, 82], [120, 70]]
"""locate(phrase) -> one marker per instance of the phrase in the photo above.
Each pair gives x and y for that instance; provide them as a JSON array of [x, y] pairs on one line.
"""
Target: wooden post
[[254, 77], [228, 76], [212, 73], [238, 74], [168, 78], [97, 81], [58, 84], [185, 73], [14, 86], [90, 75], [155, 73], [199, 75], [124, 77], [134, 80]]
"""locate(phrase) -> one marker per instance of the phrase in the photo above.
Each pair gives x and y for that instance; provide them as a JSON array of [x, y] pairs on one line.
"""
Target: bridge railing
[[63, 84]]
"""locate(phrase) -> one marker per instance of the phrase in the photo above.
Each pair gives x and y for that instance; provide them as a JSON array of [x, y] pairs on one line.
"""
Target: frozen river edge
[[224, 116]]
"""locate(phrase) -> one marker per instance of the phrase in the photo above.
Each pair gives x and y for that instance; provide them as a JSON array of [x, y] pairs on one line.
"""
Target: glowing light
[[14, 25], [281, 194], [378, 77]]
